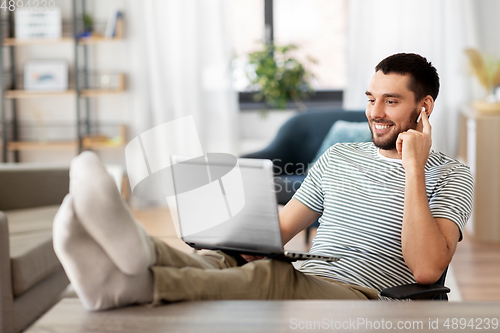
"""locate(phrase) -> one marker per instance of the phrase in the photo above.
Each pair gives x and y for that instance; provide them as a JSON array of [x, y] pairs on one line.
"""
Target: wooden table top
[[275, 316]]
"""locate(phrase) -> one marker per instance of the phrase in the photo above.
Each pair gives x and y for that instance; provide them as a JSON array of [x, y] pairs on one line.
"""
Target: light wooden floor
[[477, 270], [476, 266]]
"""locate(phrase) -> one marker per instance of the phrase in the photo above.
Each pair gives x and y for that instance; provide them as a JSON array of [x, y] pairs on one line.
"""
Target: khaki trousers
[[180, 276]]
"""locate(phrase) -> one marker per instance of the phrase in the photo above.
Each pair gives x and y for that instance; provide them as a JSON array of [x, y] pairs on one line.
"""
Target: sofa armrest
[[32, 186], [6, 296]]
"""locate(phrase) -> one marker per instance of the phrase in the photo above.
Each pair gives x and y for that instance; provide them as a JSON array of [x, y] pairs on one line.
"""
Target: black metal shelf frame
[[10, 85]]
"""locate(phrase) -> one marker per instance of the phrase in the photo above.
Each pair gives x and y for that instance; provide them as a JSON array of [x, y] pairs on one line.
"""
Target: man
[[393, 209]]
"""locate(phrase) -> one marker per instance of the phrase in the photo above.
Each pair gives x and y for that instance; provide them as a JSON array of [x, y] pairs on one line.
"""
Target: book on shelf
[[114, 26]]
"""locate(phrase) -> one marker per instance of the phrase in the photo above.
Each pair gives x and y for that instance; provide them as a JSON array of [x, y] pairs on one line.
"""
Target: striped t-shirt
[[360, 194]]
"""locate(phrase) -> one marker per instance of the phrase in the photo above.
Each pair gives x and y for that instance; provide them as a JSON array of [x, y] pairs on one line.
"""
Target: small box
[[38, 24]]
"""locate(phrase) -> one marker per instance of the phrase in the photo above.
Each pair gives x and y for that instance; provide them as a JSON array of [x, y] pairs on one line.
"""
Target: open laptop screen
[[226, 202]]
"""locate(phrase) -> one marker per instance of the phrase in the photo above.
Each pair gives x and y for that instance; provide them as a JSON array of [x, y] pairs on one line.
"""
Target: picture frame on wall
[[46, 75]]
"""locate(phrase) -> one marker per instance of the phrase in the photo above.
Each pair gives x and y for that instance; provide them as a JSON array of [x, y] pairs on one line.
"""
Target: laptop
[[229, 204]]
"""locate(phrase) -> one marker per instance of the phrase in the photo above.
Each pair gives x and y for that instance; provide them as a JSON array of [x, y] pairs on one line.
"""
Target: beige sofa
[[31, 277]]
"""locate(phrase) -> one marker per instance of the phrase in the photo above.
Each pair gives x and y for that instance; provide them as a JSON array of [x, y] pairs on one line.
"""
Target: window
[[247, 32], [318, 27]]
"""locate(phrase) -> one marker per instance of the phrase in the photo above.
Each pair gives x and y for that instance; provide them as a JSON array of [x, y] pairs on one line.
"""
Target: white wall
[[488, 13]]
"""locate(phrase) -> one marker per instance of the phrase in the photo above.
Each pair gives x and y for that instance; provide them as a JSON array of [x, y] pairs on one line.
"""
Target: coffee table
[[274, 316]]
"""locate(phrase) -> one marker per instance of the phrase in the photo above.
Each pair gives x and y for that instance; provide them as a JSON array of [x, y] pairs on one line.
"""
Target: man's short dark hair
[[424, 79]]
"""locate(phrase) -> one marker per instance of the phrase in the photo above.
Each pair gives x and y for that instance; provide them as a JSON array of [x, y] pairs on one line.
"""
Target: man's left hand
[[415, 145]]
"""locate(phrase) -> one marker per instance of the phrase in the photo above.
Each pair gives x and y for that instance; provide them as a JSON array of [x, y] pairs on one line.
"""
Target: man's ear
[[428, 103]]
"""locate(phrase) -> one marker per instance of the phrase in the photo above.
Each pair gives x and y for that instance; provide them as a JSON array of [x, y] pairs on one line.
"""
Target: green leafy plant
[[278, 76], [88, 23]]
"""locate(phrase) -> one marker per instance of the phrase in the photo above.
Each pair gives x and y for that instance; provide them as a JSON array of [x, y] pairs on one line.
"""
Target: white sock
[[97, 281], [103, 213]]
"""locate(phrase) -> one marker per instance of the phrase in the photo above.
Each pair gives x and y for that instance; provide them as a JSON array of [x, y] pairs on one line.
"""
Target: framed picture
[[46, 75]]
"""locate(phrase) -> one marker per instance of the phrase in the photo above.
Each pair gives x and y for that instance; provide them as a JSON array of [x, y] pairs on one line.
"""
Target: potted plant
[[487, 72], [278, 76]]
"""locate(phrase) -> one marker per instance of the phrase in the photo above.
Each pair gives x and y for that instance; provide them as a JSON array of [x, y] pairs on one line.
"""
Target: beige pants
[[215, 275]]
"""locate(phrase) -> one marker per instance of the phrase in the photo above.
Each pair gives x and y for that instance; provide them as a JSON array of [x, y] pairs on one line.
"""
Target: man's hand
[[415, 145], [250, 258]]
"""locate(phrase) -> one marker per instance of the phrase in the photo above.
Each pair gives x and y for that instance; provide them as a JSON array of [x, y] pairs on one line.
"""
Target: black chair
[[436, 291], [291, 151]]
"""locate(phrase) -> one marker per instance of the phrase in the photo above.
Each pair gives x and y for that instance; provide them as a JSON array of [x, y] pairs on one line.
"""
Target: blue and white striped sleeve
[[453, 197], [311, 193]]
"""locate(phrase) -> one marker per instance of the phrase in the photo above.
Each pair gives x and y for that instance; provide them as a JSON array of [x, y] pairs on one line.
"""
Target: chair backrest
[[301, 136]]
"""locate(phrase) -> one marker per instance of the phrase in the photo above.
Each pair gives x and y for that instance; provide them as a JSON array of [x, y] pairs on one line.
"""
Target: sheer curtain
[[180, 54], [439, 30]]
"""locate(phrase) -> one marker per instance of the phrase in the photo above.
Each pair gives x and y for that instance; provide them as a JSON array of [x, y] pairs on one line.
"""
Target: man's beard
[[389, 143]]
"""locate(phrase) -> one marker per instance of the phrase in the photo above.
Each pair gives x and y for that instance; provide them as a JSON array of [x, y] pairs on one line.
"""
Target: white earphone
[[420, 115]]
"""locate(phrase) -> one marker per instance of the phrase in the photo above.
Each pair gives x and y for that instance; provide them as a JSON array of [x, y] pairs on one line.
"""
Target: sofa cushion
[[31, 250]]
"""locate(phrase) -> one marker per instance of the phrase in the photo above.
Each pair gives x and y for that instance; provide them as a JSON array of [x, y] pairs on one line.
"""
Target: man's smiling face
[[391, 109]]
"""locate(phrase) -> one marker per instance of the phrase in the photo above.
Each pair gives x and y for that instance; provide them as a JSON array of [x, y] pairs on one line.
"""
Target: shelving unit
[[63, 40], [81, 92], [22, 94], [98, 39], [39, 41], [20, 145], [87, 143]]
